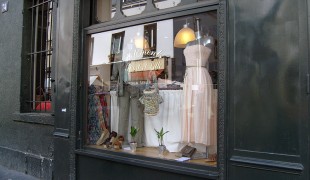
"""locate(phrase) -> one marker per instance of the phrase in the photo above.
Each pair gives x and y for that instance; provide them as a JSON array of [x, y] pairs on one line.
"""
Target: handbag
[[188, 151]]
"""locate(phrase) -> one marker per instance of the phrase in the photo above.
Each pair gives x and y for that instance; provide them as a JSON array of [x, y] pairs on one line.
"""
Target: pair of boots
[[104, 136], [110, 139]]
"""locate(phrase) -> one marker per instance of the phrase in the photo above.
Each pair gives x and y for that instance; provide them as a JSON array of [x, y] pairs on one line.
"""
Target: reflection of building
[[263, 113]]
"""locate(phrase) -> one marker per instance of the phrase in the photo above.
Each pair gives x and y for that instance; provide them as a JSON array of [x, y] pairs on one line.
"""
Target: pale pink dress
[[198, 123]]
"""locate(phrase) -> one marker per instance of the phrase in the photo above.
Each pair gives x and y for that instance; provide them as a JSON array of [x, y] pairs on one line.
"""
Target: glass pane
[[150, 89], [164, 4], [105, 10], [133, 7]]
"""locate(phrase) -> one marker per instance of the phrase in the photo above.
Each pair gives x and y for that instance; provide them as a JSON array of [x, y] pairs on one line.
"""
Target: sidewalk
[[6, 174]]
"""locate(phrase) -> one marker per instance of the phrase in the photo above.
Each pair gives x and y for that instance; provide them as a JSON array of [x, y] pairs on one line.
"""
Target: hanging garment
[[151, 100], [197, 111], [95, 123]]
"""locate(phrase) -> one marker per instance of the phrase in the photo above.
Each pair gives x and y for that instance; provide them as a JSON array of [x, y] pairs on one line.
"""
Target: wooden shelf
[[153, 152]]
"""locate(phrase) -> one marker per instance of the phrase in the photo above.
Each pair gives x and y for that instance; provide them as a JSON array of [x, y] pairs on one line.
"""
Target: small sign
[[195, 87], [4, 6], [181, 159], [63, 109]]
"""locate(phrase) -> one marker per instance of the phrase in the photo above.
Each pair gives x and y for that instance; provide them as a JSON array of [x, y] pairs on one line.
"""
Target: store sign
[[146, 65], [152, 54]]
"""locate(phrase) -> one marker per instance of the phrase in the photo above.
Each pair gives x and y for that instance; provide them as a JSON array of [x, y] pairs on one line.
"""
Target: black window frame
[[156, 15], [26, 112], [38, 36]]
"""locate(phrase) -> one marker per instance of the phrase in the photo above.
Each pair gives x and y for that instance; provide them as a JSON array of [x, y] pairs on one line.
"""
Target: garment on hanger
[[196, 123]]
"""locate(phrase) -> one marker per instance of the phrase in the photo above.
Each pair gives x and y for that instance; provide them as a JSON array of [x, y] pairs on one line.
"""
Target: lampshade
[[184, 36]]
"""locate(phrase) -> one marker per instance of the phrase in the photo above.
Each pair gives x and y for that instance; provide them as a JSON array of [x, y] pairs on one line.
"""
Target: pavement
[[7, 174]]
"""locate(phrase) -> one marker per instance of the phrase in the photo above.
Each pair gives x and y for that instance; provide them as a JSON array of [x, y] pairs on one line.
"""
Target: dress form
[[205, 40]]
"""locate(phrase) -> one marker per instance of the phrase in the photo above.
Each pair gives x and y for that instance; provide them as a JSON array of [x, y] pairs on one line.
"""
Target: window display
[[148, 97]]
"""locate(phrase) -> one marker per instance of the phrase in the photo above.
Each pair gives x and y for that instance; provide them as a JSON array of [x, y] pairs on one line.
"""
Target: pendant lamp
[[184, 36]]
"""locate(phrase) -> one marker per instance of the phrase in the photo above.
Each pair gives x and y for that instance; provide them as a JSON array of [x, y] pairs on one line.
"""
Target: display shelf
[[153, 152]]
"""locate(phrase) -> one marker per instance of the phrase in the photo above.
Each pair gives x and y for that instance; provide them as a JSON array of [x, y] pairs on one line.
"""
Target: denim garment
[[130, 101]]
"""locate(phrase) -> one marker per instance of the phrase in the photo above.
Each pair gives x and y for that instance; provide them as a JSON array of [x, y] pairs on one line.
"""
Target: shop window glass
[[146, 85]]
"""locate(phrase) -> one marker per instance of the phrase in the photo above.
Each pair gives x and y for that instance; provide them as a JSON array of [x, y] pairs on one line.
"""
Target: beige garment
[[198, 124]]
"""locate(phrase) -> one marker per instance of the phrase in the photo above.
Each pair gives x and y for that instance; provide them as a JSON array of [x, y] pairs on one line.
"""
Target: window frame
[[25, 113], [196, 170]]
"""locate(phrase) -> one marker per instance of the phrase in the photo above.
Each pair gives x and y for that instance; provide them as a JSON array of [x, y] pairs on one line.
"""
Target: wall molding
[[272, 165], [34, 118]]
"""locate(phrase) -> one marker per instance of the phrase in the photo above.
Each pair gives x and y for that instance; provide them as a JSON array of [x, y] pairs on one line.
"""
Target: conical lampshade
[[184, 36]]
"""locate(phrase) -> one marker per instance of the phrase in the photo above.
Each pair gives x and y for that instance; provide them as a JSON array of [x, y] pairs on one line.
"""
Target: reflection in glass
[[150, 36], [104, 9], [133, 7], [140, 41], [164, 4], [117, 42]]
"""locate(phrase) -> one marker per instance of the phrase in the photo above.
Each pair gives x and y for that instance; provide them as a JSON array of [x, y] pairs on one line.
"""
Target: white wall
[[102, 42], [165, 38]]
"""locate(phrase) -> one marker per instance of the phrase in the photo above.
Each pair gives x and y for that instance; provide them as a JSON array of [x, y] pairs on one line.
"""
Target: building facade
[[235, 94]]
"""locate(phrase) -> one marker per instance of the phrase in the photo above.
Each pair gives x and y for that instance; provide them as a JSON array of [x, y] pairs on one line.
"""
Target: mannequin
[[197, 124], [207, 41]]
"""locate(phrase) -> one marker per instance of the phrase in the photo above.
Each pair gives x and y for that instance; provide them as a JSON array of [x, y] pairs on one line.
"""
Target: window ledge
[[35, 118], [168, 166]]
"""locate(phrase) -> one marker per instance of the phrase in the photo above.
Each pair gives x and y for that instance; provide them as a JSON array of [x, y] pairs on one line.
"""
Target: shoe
[[105, 134], [113, 140], [121, 138], [113, 134], [117, 144]]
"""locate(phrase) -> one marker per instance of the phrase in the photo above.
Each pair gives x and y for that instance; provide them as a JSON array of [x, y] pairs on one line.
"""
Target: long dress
[[197, 122]]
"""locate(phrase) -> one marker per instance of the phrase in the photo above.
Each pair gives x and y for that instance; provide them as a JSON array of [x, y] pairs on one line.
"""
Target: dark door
[[63, 153], [268, 116]]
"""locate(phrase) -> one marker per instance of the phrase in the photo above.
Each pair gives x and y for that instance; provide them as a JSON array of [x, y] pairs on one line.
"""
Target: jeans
[[130, 101]]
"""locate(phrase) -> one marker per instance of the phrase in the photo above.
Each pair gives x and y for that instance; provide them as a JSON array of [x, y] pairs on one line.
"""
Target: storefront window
[[153, 90]]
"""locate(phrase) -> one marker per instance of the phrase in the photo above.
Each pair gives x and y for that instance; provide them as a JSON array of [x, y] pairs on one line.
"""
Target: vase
[[161, 150], [133, 146]]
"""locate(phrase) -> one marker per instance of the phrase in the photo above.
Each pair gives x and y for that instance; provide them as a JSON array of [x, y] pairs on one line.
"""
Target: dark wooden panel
[[246, 173], [61, 159], [266, 76], [64, 41], [268, 107], [63, 89], [95, 168]]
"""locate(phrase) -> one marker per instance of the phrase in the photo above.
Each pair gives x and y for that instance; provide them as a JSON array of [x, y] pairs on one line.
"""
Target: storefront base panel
[[246, 172], [95, 168]]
